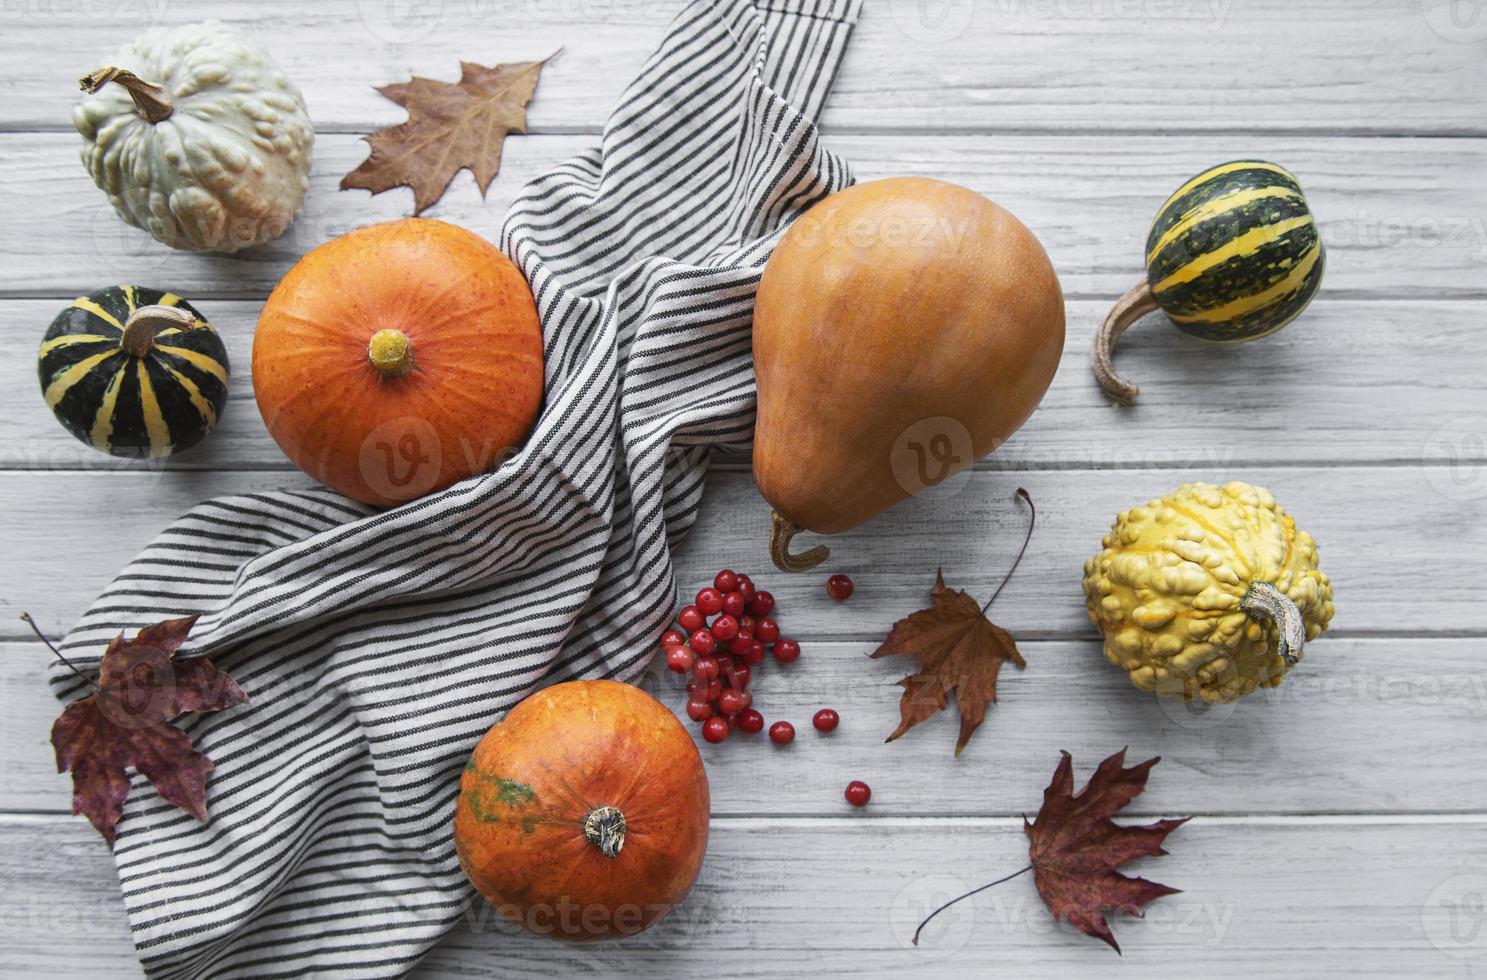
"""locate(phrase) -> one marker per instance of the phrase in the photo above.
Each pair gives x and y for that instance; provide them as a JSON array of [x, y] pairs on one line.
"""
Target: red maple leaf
[[958, 649], [126, 722], [1075, 847]]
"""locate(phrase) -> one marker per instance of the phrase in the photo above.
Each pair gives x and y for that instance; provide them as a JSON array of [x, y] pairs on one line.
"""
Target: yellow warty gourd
[[1209, 592]]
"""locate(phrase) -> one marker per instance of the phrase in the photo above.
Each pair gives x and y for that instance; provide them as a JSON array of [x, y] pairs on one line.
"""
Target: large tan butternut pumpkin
[[904, 328]]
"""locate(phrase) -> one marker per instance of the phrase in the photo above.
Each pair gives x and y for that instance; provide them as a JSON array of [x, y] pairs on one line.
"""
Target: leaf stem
[[1032, 518], [42, 636], [973, 891]]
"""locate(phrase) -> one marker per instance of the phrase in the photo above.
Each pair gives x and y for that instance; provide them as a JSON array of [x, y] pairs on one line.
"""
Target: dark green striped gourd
[[1233, 255], [134, 372]]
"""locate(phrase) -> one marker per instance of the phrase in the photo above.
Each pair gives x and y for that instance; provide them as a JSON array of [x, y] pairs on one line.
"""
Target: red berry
[[750, 721], [726, 580], [703, 642], [673, 638], [826, 720], [761, 604], [782, 733], [785, 651], [839, 587], [725, 627], [709, 601], [691, 619], [741, 644], [679, 659], [748, 697], [745, 587], [706, 668], [746, 623], [755, 656], [699, 710], [858, 793], [740, 676], [766, 630], [730, 702], [715, 729], [734, 603]]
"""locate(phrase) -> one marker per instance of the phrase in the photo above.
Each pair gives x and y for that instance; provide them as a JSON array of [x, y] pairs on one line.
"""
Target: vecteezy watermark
[[947, 932], [1455, 458], [1306, 689], [142, 12], [932, 452], [401, 21], [1204, 923], [404, 21], [937, 21], [931, 21], [23, 912], [1455, 916], [1365, 230], [401, 458], [1461, 21]]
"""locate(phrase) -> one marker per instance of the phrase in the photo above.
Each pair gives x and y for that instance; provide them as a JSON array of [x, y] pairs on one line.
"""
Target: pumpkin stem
[[1128, 309], [153, 101], [780, 535], [139, 329], [1262, 600], [391, 352], [605, 829]]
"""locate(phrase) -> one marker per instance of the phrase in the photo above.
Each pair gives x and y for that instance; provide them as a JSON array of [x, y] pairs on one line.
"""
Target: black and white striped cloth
[[377, 648]]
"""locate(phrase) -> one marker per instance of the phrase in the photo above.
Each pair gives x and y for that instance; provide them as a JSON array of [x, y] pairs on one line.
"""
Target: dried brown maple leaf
[[1075, 848], [958, 649], [452, 126], [126, 722]]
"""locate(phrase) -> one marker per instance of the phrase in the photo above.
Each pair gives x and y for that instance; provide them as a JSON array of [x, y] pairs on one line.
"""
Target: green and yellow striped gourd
[[134, 372], [1233, 255]]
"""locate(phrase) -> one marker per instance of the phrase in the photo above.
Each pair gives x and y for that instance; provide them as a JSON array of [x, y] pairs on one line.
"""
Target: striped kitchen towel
[[377, 648]]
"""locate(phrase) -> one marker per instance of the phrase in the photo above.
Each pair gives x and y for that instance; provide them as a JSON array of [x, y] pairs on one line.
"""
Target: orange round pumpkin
[[399, 359], [584, 813]]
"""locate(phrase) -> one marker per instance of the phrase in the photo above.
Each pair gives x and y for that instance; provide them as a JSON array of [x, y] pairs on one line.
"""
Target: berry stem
[[973, 891], [1032, 518], [42, 636]]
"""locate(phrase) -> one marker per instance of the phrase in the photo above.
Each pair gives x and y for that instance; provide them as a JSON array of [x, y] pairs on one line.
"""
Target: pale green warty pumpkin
[[201, 139]]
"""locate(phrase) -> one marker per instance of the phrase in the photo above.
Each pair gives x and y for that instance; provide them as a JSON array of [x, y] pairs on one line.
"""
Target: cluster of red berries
[[721, 655]]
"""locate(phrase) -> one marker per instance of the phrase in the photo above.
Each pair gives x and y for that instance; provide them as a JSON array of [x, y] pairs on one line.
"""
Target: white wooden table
[[1341, 821]]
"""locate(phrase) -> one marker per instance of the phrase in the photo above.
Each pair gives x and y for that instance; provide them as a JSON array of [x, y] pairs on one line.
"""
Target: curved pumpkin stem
[[139, 329], [1264, 601], [780, 536], [1131, 307], [153, 101], [605, 828]]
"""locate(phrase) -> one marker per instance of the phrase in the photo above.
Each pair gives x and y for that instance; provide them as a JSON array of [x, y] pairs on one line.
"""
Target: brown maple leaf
[[452, 126], [958, 649], [1075, 847], [126, 722]]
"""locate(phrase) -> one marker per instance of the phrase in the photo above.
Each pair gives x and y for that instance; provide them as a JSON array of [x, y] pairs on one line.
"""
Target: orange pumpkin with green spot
[[584, 813]]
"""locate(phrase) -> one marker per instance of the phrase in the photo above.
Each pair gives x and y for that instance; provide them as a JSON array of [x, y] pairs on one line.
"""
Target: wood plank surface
[[1403, 554], [1363, 726], [1324, 66], [1342, 818], [1401, 218], [1322, 897], [1201, 404]]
